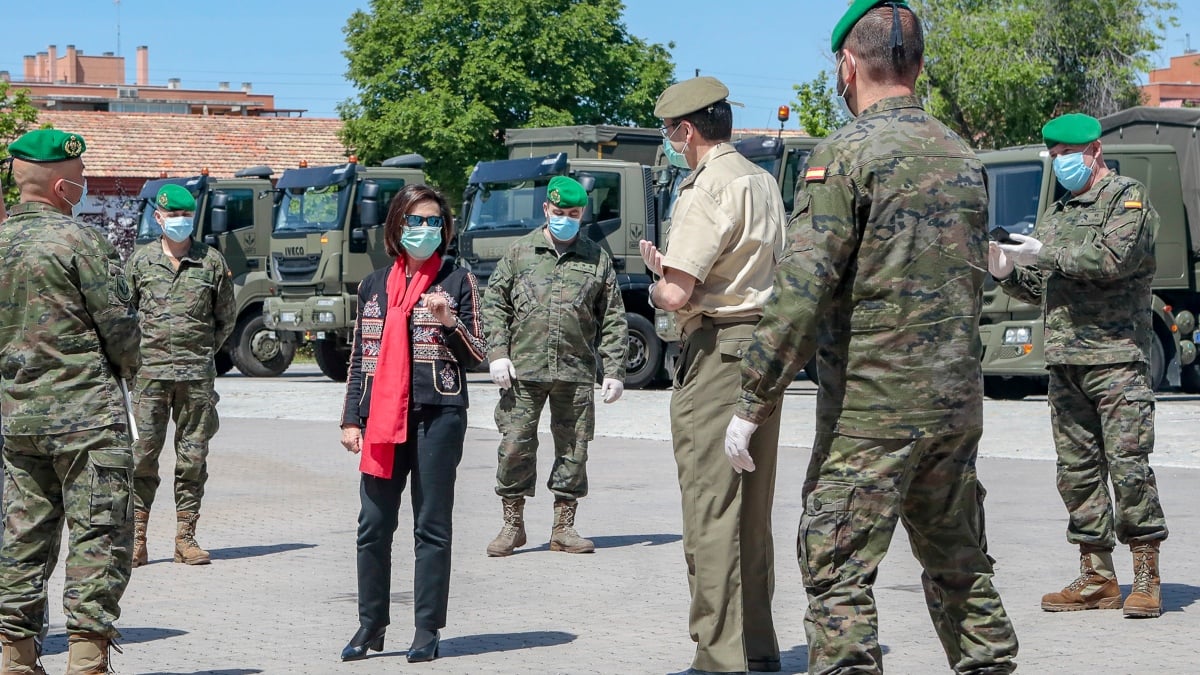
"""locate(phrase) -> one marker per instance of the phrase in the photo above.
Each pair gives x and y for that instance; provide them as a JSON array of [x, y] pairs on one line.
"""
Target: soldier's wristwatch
[[650, 296]]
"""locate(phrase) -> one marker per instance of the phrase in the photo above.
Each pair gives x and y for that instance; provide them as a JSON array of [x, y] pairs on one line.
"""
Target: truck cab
[[503, 202], [1022, 187], [233, 215], [328, 236]]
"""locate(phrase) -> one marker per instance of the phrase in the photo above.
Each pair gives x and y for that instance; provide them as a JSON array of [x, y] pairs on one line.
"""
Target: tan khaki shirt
[[727, 232]]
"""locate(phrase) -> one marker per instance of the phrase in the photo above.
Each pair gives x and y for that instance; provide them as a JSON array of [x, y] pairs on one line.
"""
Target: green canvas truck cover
[[590, 141]]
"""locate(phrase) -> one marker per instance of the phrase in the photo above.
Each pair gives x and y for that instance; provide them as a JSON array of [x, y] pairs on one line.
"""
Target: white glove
[[503, 373], [611, 390], [737, 443], [1026, 253], [999, 264]]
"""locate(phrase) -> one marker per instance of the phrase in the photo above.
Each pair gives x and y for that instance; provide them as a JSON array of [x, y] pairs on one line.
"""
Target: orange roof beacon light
[[304, 164], [354, 159], [783, 114], [162, 174]]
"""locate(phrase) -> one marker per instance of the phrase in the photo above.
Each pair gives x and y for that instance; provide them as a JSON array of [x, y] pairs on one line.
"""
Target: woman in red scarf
[[418, 331]]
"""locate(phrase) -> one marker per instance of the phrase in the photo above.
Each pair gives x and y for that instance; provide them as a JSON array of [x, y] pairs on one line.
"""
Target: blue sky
[[759, 48]]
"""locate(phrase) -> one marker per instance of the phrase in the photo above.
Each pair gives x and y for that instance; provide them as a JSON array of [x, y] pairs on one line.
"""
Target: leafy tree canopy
[[445, 78], [819, 116], [17, 115]]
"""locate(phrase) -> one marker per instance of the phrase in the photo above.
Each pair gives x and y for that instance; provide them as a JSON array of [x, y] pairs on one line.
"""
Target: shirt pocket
[[197, 284]]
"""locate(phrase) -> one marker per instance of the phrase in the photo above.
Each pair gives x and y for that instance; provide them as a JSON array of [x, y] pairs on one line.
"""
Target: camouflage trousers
[[1103, 420], [855, 492], [572, 422], [83, 479], [192, 404]]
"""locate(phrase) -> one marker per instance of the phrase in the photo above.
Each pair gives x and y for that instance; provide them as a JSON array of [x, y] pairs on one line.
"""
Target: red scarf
[[388, 423]]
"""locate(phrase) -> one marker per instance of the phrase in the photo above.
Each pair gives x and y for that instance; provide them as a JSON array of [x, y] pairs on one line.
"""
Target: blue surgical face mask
[[421, 242], [674, 157], [77, 207], [841, 93], [177, 228], [1072, 172], [563, 228]]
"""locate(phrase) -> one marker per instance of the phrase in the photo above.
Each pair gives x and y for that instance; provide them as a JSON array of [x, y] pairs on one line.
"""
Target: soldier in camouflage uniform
[[552, 299], [183, 290], [1091, 273], [68, 334], [884, 281]]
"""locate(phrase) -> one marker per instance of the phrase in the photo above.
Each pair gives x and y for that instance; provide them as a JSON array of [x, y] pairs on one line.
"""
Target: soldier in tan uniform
[[725, 238]]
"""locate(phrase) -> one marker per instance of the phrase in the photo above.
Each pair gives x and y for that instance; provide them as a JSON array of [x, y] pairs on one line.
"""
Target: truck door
[[239, 243], [362, 260]]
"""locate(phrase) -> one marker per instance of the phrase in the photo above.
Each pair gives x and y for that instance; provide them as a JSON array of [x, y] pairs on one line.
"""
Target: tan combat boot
[[140, 520], [512, 535], [564, 537], [1096, 586], [186, 548], [20, 658], [1145, 600], [88, 655]]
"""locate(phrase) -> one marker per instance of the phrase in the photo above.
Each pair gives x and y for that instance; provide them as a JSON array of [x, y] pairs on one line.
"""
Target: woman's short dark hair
[[402, 204], [873, 44]]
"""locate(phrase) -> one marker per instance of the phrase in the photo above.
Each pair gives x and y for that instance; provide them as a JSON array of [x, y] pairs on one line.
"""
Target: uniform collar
[[1092, 195], [540, 242], [893, 103], [193, 254], [33, 207], [718, 150]]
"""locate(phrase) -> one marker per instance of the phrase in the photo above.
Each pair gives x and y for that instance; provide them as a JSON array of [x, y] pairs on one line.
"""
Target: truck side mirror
[[358, 240], [219, 218], [587, 180], [368, 206]]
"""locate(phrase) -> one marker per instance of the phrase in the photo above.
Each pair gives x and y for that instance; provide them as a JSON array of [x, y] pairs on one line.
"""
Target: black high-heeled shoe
[[427, 651], [363, 640]]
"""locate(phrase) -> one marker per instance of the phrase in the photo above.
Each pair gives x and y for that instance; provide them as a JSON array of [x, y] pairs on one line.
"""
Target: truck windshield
[[507, 205], [1014, 193], [312, 209], [148, 228]]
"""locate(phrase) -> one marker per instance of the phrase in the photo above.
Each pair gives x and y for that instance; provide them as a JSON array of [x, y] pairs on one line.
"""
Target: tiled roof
[[145, 145]]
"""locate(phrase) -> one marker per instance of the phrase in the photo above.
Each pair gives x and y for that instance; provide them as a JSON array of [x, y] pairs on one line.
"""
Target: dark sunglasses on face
[[416, 221]]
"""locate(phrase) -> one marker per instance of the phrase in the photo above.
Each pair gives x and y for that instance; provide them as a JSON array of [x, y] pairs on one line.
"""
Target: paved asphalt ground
[[280, 510]]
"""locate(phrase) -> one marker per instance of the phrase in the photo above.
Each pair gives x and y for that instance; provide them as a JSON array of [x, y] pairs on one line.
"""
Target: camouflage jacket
[[883, 279], [186, 314], [66, 325], [1093, 275], [547, 313]]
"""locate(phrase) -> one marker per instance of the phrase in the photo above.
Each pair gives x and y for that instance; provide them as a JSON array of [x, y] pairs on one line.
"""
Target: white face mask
[[77, 207]]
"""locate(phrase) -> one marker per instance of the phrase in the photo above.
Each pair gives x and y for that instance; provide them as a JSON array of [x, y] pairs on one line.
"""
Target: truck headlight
[[662, 323], [325, 317], [1017, 336], [287, 317]]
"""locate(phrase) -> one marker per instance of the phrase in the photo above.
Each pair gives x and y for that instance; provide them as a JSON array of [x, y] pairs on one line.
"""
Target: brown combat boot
[[20, 658], [512, 535], [1145, 600], [186, 548], [88, 655], [140, 520], [564, 537], [1096, 586]]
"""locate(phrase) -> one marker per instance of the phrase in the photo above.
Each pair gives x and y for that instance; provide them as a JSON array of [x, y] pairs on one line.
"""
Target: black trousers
[[431, 456]]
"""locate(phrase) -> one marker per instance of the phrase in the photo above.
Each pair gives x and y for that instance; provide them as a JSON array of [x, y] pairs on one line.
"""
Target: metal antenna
[[118, 4]]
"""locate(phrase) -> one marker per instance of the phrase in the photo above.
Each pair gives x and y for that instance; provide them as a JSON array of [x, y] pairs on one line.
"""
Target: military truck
[[503, 201], [784, 158], [1022, 189], [234, 216], [327, 237]]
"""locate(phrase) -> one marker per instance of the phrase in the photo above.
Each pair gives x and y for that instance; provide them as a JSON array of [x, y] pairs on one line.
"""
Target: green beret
[[173, 197], [689, 96], [566, 193], [47, 145], [1071, 129], [852, 15]]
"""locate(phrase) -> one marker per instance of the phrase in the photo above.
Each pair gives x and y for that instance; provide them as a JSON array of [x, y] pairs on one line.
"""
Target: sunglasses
[[416, 221]]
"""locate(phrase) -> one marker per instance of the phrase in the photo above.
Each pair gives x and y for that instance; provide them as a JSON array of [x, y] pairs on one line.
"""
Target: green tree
[[17, 115], [996, 70], [819, 116], [446, 77]]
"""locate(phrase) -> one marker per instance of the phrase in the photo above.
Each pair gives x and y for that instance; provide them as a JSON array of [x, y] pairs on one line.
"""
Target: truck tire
[[1158, 364], [258, 351], [644, 353], [223, 361], [333, 359]]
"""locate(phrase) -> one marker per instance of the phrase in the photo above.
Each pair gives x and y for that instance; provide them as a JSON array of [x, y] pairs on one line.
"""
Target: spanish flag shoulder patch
[[1133, 204], [815, 174]]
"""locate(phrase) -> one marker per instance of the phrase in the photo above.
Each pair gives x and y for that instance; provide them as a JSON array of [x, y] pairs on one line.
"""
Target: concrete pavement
[[279, 517]]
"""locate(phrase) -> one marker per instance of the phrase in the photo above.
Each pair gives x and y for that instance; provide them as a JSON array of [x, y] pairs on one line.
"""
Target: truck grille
[[296, 268]]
